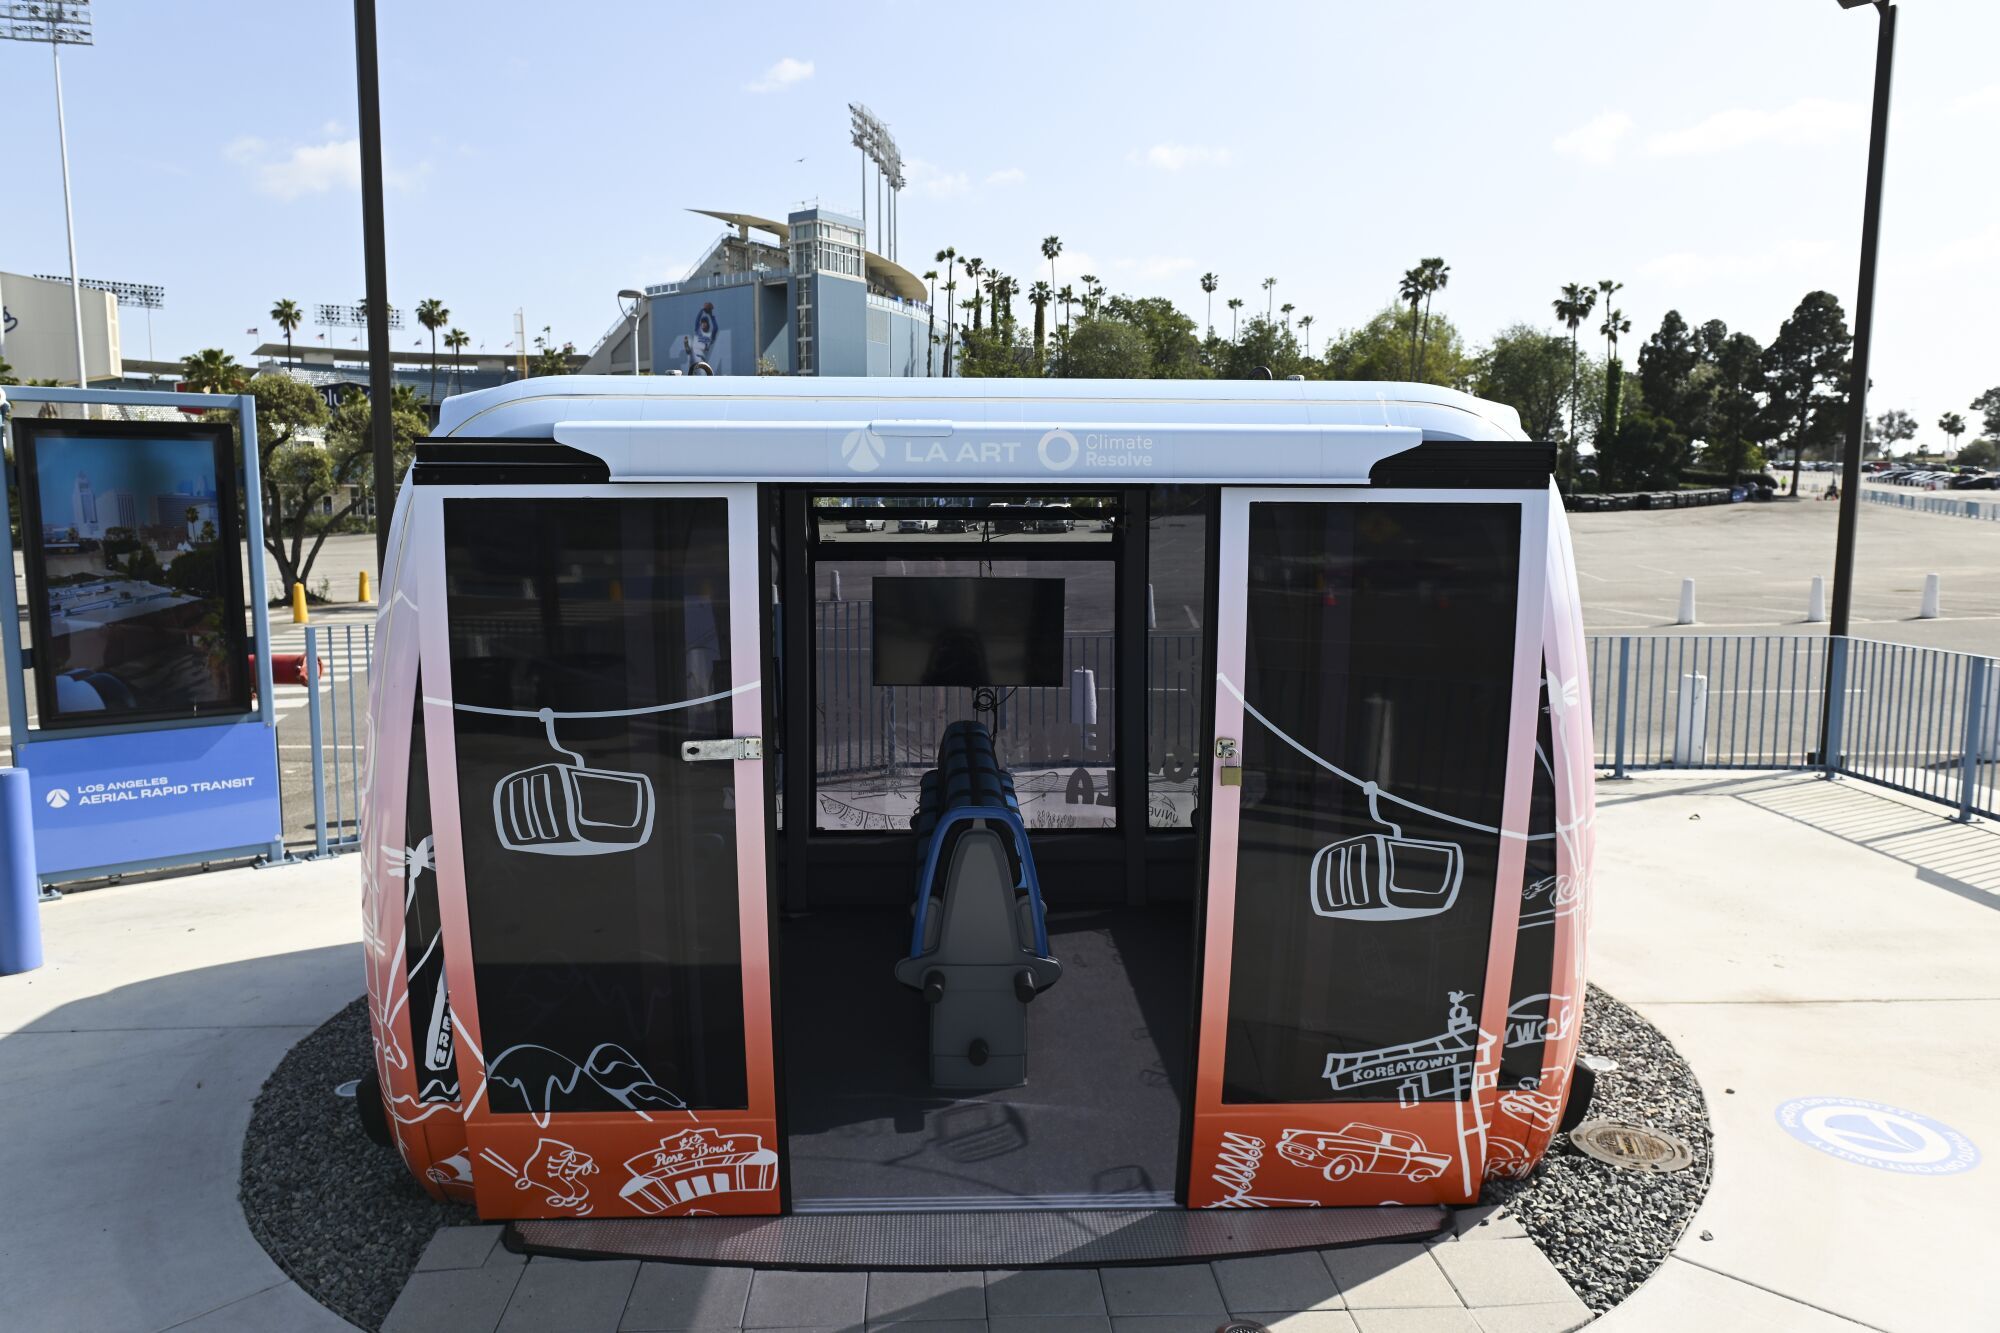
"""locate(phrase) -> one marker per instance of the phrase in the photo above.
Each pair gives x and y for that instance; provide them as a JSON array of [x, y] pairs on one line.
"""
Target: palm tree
[[1609, 289], [1209, 282], [1953, 425], [1411, 289], [1089, 281], [973, 268], [1068, 298], [287, 316], [1572, 308], [930, 323], [1235, 303], [212, 370], [1051, 247], [433, 316], [1306, 327], [1286, 310], [1269, 283], [456, 341], [949, 258], [1040, 295], [1437, 274]]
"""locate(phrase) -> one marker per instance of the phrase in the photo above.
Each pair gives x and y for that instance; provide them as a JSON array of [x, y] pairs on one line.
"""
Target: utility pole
[[381, 374]]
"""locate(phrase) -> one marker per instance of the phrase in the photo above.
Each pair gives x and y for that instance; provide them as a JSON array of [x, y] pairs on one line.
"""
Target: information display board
[[136, 604]]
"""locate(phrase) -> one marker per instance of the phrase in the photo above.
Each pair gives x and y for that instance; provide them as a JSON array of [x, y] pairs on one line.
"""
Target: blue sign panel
[[152, 795], [1875, 1134]]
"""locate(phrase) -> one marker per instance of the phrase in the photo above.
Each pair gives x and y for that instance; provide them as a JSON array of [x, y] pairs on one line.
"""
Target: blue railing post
[[1975, 720], [1831, 754], [1619, 713], [318, 746]]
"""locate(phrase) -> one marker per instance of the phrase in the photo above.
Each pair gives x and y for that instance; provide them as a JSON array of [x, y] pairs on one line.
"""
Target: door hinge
[[736, 747]]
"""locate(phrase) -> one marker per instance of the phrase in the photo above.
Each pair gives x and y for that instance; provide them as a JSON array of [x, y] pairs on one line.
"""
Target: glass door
[[1378, 655], [591, 719]]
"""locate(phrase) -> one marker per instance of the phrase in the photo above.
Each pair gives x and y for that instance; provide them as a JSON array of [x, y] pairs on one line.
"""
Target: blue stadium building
[[800, 297]]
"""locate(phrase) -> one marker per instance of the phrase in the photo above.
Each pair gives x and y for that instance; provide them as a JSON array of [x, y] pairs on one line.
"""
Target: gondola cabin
[[858, 795]]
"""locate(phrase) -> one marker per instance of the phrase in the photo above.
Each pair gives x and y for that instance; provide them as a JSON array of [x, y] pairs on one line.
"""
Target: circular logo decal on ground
[[1058, 450], [861, 450], [57, 798], [1875, 1134]]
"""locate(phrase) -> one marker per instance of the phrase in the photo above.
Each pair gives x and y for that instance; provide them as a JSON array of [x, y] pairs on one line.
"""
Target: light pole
[[638, 300], [1864, 318], [59, 23]]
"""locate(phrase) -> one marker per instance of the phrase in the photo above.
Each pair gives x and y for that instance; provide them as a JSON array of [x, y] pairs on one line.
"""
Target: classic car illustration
[[1358, 1149]]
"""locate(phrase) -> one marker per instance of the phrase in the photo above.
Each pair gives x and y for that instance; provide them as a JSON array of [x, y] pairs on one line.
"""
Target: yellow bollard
[[364, 597], [299, 615]]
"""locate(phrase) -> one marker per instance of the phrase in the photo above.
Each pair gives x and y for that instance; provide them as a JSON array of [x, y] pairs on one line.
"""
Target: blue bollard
[[20, 917]]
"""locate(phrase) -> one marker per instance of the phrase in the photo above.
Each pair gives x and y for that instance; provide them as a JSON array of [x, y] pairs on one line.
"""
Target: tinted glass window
[[1534, 1015], [1380, 643], [600, 866]]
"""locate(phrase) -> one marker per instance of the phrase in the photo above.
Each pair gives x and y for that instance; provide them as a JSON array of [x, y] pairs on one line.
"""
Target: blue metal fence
[[1986, 509]]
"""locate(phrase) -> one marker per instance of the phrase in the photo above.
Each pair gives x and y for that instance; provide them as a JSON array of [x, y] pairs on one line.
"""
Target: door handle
[[730, 748]]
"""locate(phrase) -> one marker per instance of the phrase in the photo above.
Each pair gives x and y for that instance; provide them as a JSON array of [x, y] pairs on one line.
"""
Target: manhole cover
[[1632, 1147], [1243, 1326]]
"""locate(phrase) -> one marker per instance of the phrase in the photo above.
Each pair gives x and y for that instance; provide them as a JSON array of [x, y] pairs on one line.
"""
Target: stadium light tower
[[60, 23], [867, 132]]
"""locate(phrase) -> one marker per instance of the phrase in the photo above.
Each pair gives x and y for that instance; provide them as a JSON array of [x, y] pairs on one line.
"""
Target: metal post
[[1864, 324], [1831, 753], [1975, 721], [1624, 676], [381, 376], [69, 219], [318, 754]]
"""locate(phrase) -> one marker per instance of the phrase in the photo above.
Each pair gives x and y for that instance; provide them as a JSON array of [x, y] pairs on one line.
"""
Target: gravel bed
[[338, 1213], [1604, 1229], [344, 1219]]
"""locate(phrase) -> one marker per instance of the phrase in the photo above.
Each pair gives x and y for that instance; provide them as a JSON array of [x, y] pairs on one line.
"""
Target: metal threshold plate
[[1045, 1238]]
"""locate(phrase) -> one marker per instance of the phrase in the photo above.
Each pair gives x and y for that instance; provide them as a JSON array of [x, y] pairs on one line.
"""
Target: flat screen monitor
[[968, 632], [134, 570]]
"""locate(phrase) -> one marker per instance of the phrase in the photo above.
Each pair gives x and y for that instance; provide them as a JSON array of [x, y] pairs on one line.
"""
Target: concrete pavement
[[128, 1065], [1802, 938]]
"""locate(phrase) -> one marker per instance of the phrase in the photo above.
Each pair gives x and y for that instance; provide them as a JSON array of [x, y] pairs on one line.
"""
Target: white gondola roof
[[920, 429]]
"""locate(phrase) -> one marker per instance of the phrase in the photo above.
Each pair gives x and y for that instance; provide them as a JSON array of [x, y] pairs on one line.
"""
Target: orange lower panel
[[1356, 1155], [671, 1166]]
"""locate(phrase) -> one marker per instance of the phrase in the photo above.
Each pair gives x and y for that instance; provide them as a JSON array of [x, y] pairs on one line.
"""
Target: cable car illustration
[[572, 809], [1358, 1148], [1385, 876], [694, 1164]]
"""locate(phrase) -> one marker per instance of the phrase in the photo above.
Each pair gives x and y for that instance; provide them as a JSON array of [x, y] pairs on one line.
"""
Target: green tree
[[1411, 289], [1805, 375], [949, 258], [1530, 371], [1980, 453], [930, 322], [212, 370], [1173, 352], [1645, 453], [1890, 429], [1051, 247], [1376, 351], [1039, 296], [456, 342], [433, 316], [289, 465], [1988, 403], [1264, 346], [1209, 282], [1736, 426], [1235, 303], [286, 315], [1667, 381], [1306, 331], [1103, 348], [1269, 283], [550, 359]]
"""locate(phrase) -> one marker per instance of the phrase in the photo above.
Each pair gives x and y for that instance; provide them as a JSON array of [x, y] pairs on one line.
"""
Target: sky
[[1709, 154]]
